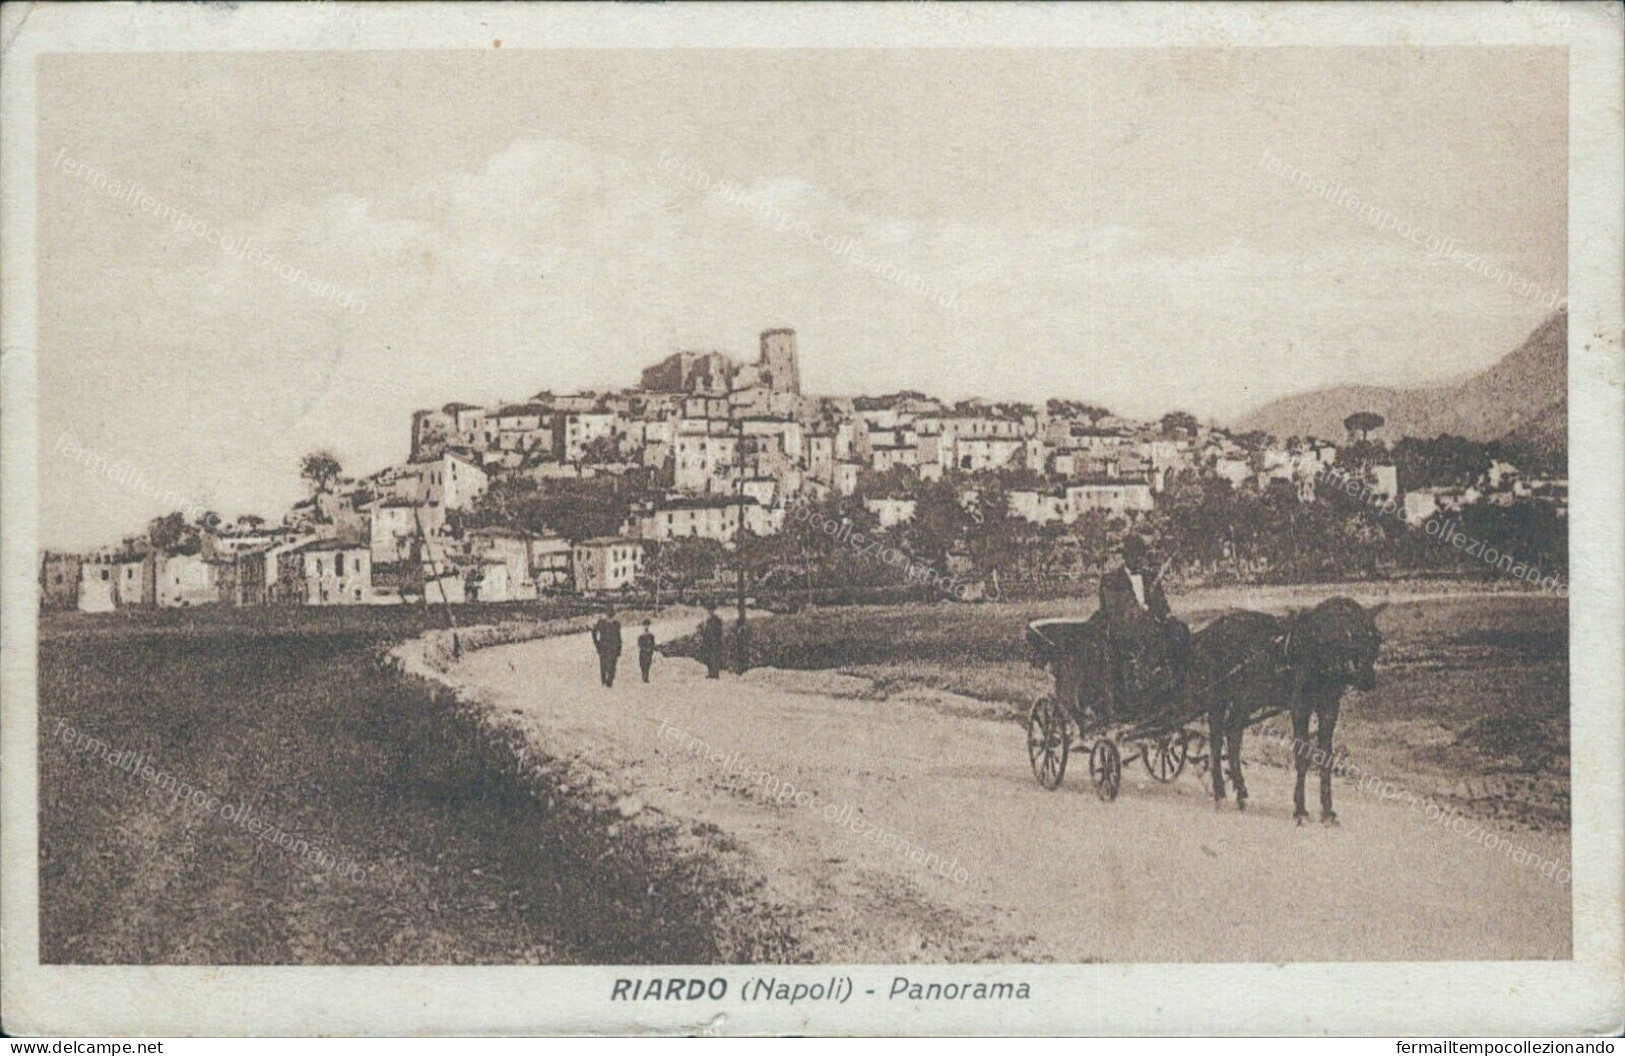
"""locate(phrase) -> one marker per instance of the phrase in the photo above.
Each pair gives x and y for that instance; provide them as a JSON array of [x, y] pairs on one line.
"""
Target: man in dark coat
[[646, 650], [1133, 589], [606, 638], [741, 646], [711, 643], [1139, 625]]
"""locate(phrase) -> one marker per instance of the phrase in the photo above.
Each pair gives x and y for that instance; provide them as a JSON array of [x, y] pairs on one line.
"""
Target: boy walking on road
[[646, 650]]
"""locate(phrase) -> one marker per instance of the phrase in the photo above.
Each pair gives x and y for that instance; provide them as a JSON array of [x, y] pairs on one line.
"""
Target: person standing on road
[[606, 638], [646, 650], [711, 642], [741, 644]]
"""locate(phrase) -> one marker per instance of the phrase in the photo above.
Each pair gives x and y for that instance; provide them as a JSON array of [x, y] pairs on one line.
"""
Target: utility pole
[[426, 549], [739, 525]]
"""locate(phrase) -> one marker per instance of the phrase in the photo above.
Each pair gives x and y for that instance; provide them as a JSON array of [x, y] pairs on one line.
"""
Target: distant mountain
[[1523, 398]]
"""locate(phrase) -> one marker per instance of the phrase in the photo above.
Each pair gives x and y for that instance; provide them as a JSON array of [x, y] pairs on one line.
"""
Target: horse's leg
[[1324, 730], [1215, 750], [1238, 727], [1300, 753]]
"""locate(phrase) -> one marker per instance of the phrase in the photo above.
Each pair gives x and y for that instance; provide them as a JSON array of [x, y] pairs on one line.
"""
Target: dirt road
[[1016, 873]]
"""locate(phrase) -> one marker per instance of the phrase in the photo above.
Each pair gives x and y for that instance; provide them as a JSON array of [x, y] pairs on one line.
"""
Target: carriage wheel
[[1165, 760], [1047, 743], [1106, 769]]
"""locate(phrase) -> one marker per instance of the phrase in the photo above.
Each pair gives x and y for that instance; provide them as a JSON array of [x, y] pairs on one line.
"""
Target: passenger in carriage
[[1139, 623]]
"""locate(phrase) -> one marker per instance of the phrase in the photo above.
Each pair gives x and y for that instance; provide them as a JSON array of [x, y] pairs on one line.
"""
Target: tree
[[1253, 440], [897, 482], [1444, 461], [1011, 477], [320, 469], [687, 563], [1364, 423], [575, 509], [170, 533], [939, 522], [1091, 538], [996, 541], [1180, 421], [1075, 409], [1192, 520], [600, 451], [833, 541]]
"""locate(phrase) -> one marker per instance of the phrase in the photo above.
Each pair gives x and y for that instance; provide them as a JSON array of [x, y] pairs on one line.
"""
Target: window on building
[[338, 564]]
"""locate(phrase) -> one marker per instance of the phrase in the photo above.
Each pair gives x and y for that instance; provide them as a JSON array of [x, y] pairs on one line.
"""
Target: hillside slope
[[1524, 393]]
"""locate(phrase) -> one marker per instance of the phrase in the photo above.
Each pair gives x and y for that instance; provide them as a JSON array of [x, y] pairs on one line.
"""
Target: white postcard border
[[1484, 998]]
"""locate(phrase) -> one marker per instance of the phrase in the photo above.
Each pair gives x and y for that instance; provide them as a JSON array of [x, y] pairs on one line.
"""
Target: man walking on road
[[646, 650], [606, 638], [711, 642]]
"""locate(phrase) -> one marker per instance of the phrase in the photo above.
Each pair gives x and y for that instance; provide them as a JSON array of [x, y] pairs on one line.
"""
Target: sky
[[1121, 226]]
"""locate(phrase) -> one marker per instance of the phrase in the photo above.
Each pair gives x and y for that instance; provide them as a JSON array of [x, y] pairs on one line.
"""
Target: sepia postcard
[[882, 518]]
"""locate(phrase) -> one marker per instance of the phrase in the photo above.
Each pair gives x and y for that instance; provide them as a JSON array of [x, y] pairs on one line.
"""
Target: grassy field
[[1472, 703], [438, 842]]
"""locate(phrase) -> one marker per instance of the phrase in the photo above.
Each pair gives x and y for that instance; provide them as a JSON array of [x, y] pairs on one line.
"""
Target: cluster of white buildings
[[729, 447], [712, 429], [292, 566], [732, 445], [1503, 484]]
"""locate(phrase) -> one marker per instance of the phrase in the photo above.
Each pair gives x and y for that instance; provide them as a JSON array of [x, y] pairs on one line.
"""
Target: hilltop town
[[579, 493]]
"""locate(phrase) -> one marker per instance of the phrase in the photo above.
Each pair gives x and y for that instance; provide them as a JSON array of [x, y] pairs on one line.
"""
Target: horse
[[1328, 649], [1245, 665], [1237, 671]]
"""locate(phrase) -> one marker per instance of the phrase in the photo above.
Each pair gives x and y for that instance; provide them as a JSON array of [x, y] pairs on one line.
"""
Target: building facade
[[606, 564]]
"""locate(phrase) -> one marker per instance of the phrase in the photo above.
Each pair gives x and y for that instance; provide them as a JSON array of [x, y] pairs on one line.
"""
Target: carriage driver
[[1136, 612]]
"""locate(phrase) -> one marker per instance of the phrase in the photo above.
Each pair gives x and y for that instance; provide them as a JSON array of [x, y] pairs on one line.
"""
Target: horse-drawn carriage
[[1114, 716], [1137, 699]]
